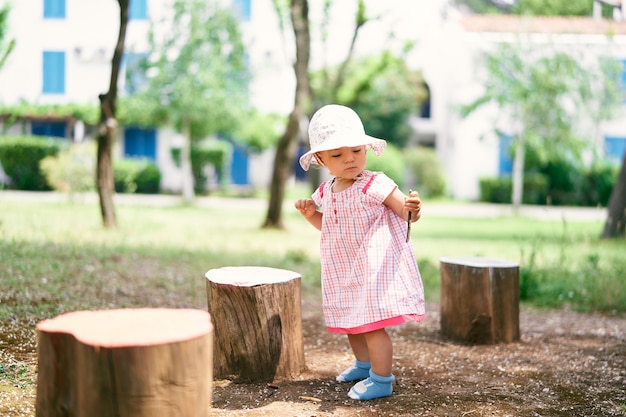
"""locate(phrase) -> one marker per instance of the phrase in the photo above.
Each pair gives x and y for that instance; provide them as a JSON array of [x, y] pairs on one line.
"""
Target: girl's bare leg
[[380, 351], [358, 344]]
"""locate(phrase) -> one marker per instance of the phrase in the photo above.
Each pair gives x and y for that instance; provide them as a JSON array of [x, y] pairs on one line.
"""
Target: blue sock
[[375, 386], [358, 371]]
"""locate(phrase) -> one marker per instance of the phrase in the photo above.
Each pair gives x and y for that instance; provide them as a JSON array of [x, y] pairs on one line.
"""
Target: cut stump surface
[[125, 362]]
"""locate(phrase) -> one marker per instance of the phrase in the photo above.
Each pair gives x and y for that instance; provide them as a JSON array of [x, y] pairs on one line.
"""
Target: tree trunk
[[107, 128], [185, 158], [480, 300], [104, 165], [257, 316], [283, 161], [518, 174], [287, 146], [615, 225], [125, 363]]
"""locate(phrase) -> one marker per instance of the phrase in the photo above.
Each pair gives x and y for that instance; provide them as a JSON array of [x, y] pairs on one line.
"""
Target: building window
[[54, 9], [135, 76], [140, 143], [243, 9], [55, 129], [506, 162], [138, 10], [615, 148], [53, 72]]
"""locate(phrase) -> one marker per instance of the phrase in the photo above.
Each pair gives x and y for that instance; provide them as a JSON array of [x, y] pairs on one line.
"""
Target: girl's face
[[346, 163]]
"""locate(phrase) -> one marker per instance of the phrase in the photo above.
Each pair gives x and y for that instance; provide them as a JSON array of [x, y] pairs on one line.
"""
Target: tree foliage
[[88, 113], [484, 6], [383, 90], [529, 7], [260, 131], [196, 71], [544, 95], [196, 77], [553, 7], [6, 45]]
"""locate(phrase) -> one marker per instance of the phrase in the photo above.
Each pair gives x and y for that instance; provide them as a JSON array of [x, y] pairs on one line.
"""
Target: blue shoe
[[375, 386], [358, 371]]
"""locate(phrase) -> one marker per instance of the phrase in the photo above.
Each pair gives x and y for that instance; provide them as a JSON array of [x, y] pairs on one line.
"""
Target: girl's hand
[[306, 207], [413, 205]]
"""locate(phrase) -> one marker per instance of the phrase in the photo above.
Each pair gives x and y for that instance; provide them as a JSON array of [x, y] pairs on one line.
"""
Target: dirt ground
[[566, 364]]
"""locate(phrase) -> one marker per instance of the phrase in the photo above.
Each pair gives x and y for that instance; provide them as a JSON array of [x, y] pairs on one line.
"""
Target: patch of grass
[[56, 256], [588, 281], [17, 374]]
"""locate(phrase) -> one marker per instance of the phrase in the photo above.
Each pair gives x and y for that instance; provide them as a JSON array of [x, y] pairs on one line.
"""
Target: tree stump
[[125, 363], [480, 300], [258, 323]]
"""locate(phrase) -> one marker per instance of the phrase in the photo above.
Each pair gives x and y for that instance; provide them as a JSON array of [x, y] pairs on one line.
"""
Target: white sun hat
[[335, 126]]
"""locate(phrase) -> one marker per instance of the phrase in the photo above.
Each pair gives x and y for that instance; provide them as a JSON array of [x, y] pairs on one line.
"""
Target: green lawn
[[55, 256]]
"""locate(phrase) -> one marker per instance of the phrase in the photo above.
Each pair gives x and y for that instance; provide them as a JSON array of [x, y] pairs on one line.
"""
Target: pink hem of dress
[[369, 327]]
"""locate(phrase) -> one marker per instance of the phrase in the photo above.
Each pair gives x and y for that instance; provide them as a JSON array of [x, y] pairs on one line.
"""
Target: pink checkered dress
[[370, 278]]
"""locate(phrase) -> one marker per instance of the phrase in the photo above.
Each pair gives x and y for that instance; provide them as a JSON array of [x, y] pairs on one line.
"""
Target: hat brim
[[375, 144]]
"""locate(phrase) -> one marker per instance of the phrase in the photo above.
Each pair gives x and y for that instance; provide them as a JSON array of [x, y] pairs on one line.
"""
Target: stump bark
[[479, 300], [257, 316], [125, 363]]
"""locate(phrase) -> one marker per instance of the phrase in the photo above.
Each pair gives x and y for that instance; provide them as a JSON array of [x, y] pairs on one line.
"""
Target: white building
[[64, 49], [469, 148]]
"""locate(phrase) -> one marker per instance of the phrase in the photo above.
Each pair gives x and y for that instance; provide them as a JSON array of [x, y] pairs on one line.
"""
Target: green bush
[[391, 162], [124, 173], [148, 179], [499, 190], [495, 190], [136, 176], [557, 183], [598, 184], [73, 169], [535, 189], [565, 180], [425, 167], [20, 157]]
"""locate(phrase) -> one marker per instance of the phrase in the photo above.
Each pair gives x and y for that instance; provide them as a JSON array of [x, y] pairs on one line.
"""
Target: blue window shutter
[[243, 9], [506, 163], [138, 10], [140, 143], [54, 9], [239, 166], [53, 72], [615, 148], [55, 129]]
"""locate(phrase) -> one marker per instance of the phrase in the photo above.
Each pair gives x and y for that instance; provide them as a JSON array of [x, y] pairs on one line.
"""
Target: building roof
[[542, 24]]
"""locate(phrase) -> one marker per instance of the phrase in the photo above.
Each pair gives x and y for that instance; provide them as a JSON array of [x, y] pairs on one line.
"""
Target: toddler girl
[[370, 278]]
